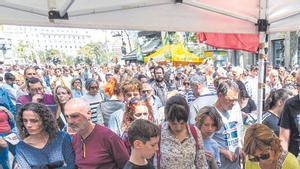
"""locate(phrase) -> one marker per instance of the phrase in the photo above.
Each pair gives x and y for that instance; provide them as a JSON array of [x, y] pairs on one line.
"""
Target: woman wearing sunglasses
[[264, 150], [135, 109]]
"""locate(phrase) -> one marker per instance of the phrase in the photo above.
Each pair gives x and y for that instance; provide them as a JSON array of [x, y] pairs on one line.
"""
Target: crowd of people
[[148, 116]]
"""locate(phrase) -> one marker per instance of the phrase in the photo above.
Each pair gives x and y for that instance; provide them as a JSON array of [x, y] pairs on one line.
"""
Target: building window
[[278, 52]]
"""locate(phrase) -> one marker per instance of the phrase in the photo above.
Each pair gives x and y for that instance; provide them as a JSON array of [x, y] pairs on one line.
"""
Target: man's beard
[[159, 79]]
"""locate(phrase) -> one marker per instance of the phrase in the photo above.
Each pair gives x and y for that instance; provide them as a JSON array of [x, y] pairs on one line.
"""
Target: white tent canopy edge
[[219, 16], [235, 16]]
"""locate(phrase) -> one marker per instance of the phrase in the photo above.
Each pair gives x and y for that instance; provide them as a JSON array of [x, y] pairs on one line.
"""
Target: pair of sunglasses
[[258, 158], [140, 114], [186, 83]]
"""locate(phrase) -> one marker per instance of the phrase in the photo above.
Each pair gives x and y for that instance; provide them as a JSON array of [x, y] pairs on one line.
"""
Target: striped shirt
[[94, 102]]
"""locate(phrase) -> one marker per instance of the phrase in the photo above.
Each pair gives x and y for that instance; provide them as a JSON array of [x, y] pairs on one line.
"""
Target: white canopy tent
[[220, 16], [234, 16]]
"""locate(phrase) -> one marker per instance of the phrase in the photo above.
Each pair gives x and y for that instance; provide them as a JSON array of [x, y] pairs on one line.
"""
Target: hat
[[9, 76], [197, 79]]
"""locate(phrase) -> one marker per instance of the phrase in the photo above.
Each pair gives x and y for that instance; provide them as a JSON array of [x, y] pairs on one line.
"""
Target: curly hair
[[47, 117], [112, 87], [260, 136], [131, 85], [128, 117]]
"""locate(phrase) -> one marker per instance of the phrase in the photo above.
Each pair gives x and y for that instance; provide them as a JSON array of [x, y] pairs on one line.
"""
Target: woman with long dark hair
[[42, 145], [248, 106], [273, 108]]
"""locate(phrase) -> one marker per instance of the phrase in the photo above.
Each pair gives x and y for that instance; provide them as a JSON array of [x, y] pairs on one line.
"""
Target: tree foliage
[[95, 52], [25, 50]]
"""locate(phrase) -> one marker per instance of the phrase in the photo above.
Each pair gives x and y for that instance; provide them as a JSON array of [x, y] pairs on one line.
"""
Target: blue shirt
[[212, 146], [57, 149]]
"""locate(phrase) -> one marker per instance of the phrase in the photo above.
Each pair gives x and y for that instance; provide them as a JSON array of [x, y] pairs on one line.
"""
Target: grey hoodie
[[106, 108]]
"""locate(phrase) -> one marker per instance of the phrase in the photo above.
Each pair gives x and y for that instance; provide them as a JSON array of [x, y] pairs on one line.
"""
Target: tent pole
[[262, 25], [261, 76], [65, 7]]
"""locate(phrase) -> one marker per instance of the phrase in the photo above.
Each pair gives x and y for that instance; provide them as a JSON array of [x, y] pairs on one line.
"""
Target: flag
[[247, 42]]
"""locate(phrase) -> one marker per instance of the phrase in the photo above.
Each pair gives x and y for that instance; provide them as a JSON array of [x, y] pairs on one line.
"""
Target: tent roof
[[157, 15]]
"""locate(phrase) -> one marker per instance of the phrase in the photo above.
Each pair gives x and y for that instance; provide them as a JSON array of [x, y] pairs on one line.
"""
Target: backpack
[[194, 134]]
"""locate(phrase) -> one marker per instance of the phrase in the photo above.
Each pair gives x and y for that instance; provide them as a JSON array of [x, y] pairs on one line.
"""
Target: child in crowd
[[209, 121], [144, 139]]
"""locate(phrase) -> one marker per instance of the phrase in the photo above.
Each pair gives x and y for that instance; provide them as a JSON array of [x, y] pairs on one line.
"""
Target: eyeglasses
[[186, 83], [146, 91], [31, 74], [258, 158], [140, 114]]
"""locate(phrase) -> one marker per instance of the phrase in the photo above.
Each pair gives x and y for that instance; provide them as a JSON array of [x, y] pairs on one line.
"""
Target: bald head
[[79, 106]]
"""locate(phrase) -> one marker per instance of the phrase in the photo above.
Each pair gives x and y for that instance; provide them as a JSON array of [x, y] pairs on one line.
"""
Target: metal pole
[[65, 7], [262, 28]]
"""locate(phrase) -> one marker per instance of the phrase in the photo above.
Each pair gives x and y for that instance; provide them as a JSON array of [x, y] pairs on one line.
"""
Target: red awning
[[247, 42]]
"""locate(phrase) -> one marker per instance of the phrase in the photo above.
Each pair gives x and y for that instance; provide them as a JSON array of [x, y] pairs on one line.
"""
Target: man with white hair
[[95, 146], [203, 96]]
